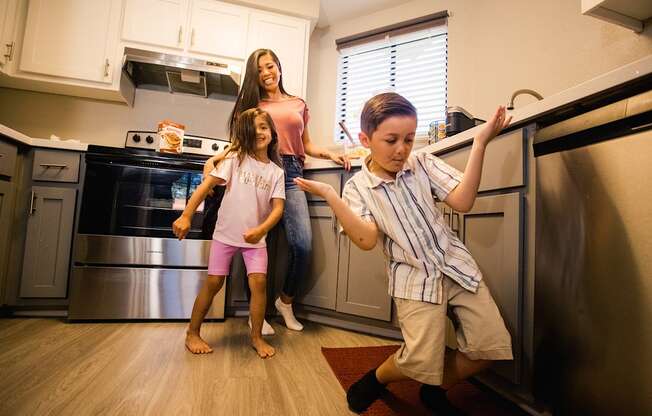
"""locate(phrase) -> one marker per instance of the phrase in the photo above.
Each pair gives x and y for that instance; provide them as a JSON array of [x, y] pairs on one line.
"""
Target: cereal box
[[170, 136]]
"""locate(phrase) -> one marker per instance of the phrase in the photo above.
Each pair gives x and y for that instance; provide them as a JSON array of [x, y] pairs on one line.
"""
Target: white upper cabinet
[[156, 22], [218, 29], [7, 45], [288, 38], [71, 38]]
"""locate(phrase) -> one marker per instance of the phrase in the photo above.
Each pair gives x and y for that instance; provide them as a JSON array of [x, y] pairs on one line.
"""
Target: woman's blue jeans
[[296, 222]]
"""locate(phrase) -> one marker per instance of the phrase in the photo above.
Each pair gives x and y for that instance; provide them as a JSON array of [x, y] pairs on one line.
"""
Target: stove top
[[197, 145]]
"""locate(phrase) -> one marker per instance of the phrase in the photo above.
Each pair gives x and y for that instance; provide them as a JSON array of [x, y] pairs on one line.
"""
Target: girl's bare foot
[[263, 349], [196, 345]]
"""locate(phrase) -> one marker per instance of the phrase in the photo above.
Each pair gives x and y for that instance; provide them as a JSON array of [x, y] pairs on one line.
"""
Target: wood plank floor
[[48, 366]]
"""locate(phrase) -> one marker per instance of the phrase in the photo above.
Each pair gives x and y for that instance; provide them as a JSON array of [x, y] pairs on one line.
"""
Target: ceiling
[[332, 11]]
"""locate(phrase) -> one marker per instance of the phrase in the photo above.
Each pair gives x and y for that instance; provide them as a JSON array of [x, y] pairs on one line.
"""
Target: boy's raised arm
[[463, 196], [364, 234]]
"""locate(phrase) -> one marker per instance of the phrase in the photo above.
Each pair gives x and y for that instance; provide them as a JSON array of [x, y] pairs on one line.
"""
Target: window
[[411, 61]]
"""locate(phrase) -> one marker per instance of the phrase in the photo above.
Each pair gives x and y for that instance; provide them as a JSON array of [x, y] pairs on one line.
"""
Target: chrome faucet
[[533, 93]]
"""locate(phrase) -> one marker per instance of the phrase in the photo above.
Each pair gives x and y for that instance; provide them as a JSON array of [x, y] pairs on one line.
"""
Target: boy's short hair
[[382, 106]]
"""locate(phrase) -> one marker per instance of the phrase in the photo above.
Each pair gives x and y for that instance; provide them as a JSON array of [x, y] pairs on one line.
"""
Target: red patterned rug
[[349, 364]]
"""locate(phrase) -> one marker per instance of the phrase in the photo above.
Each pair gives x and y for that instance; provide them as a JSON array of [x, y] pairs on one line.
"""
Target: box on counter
[[170, 136]]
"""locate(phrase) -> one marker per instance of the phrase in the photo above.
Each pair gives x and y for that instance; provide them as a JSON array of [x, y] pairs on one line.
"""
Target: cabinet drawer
[[333, 178], [55, 166], [503, 165], [7, 159]]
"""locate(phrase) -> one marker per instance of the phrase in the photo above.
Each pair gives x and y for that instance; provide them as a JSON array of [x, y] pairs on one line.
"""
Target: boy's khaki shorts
[[480, 331]]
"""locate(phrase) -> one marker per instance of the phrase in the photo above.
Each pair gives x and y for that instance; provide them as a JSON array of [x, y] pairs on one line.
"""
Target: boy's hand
[[181, 227], [498, 121], [253, 235], [314, 187]]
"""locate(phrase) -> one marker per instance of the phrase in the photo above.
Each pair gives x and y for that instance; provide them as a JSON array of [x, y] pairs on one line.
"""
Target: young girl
[[252, 205], [263, 87]]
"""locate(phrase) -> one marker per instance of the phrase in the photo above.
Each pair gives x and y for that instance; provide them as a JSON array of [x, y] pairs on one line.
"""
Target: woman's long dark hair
[[244, 135], [251, 92]]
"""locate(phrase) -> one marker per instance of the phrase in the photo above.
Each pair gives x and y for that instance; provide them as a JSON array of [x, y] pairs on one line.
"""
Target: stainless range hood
[[180, 74]]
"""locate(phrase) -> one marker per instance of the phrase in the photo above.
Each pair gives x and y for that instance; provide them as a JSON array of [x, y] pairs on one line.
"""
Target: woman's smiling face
[[269, 75]]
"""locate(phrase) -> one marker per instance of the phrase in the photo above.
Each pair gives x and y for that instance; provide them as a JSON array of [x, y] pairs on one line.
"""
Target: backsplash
[[106, 123]]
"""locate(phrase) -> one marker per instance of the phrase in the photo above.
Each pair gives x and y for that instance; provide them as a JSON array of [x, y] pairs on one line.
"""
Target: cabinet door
[[288, 38], [71, 38], [218, 29], [492, 231], [7, 22], [6, 204], [362, 282], [156, 22], [320, 287], [48, 242]]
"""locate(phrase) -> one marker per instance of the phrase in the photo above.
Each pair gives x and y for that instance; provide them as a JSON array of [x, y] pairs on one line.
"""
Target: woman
[[263, 87]]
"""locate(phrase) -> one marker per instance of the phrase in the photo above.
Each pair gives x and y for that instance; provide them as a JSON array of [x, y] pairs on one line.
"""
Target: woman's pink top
[[290, 117]]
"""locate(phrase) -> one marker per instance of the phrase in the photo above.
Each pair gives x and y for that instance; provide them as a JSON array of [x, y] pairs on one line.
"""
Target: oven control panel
[[191, 144]]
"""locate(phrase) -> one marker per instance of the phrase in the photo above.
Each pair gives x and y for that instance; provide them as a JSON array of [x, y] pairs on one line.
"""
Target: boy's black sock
[[434, 397], [364, 392]]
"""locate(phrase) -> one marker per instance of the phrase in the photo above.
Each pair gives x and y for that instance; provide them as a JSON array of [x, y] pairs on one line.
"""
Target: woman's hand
[[342, 160], [498, 121], [314, 187], [181, 227], [253, 235]]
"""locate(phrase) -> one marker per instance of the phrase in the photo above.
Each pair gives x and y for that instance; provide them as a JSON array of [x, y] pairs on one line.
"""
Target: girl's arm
[[253, 235], [322, 153], [214, 160], [364, 234], [463, 196], [181, 226]]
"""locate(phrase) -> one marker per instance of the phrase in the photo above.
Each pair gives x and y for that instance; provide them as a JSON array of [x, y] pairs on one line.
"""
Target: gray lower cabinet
[[6, 205], [362, 282], [320, 287], [47, 246], [492, 233]]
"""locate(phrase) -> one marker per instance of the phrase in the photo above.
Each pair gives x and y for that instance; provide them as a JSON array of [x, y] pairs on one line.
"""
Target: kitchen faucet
[[533, 93]]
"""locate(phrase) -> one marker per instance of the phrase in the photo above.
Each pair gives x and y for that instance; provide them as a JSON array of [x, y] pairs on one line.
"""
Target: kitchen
[[581, 65]]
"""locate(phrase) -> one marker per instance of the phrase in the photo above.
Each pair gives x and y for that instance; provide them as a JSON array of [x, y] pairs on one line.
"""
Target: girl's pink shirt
[[290, 117]]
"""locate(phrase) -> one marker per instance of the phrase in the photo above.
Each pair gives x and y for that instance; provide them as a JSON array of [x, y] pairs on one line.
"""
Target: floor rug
[[349, 364]]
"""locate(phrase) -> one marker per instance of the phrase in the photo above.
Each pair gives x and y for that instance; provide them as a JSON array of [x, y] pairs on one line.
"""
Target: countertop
[[530, 113], [47, 143]]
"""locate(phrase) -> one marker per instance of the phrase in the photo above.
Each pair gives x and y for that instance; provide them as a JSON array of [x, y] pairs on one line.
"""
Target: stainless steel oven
[[127, 264]]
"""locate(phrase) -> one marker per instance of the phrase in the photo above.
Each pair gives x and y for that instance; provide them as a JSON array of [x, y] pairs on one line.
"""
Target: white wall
[[494, 48], [106, 123]]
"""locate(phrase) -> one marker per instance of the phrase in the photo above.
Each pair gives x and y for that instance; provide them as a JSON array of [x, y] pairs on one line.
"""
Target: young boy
[[430, 270]]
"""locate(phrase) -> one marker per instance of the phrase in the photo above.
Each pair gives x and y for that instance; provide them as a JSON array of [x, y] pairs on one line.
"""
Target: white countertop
[[529, 113], [36, 142]]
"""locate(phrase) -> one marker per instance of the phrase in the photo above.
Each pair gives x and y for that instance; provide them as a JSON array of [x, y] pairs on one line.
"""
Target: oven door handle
[[155, 164]]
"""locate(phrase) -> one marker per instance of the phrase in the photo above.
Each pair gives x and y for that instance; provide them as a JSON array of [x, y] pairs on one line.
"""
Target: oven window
[[142, 201]]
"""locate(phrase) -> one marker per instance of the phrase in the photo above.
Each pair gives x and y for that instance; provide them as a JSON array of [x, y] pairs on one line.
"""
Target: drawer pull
[[53, 165], [455, 224], [32, 210]]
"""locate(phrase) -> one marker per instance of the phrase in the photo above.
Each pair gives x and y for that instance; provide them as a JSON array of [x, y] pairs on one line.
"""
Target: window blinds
[[412, 63]]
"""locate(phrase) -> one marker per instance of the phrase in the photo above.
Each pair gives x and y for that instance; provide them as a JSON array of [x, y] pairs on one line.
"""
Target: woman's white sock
[[267, 328], [288, 315]]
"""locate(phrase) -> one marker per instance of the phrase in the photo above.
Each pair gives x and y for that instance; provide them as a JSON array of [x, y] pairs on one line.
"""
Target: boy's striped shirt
[[418, 245]]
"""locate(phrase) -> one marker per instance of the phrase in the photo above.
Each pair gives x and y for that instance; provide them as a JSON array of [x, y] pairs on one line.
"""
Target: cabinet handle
[[32, 210], [180, 32], [192, 36], [447, 216], [10, 51], [53, 165], [334, 223], [106, 67], [455, 224]]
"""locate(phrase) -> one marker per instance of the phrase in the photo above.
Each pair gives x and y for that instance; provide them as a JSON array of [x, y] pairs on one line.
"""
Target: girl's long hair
[[244, 136], [251, 92]]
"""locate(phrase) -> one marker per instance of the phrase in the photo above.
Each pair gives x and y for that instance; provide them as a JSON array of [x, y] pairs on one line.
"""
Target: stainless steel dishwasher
[[593, 267]]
